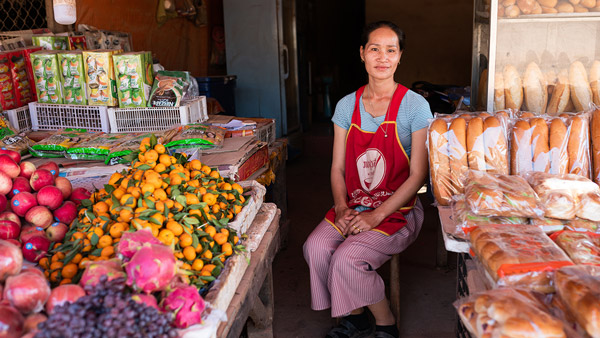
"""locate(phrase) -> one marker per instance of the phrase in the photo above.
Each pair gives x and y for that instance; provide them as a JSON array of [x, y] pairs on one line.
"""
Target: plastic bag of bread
[[547, 224], [57, 144], [595, 139], [578, 287], [566, 196], [96, 148], [518, 256], [500, 195], [509, 312], [578, 146], [466, 221], [580, 224], [19, 143], [582, 247]]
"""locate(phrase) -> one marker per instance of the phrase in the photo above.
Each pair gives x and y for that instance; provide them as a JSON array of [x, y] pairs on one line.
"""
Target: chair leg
[[395, 287]]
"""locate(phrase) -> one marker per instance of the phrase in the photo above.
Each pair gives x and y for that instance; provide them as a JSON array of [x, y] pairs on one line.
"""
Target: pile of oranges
[[185, 204]]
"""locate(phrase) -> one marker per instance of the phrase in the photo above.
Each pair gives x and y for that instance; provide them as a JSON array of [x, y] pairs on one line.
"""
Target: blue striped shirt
[[413, 114]]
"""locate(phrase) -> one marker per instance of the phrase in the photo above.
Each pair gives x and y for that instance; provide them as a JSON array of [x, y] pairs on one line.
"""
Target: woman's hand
[[343, 216], [364, 221]]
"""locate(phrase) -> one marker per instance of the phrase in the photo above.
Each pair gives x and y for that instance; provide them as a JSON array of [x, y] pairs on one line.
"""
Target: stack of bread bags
[[515, 8], [573, 89], [582, 247], [459, 142]]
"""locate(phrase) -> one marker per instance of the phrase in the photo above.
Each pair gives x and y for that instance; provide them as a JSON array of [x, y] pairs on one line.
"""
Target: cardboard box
[[239, 158], [262, 128]]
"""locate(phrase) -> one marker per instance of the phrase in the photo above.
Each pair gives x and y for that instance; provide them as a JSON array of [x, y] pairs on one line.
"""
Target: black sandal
[[347, 329]]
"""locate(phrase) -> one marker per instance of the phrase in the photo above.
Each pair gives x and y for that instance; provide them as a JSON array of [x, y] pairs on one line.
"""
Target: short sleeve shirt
[[413, 114]]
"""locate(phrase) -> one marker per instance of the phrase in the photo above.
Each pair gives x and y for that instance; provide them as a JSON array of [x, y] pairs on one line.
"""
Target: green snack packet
[[72, 77], [47, 76], [197, 136], [57, 144], [96, 148], [132, 87]]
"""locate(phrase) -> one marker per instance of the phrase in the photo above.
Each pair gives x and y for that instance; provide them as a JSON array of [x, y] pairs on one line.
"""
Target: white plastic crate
[[19, 118], [56, 116], [126, 120]]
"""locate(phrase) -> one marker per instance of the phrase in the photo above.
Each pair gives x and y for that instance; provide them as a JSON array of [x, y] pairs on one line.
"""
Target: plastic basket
[[56, 116], [126, 120], [19, 118]]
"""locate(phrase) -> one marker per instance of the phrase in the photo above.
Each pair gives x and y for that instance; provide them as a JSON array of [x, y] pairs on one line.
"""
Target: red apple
[[40, 179], [52, 167], [35, 248], [27, 169], [20, 184], [15, 243], [66, 213], [22, 202], [79, 194], [64, 185], [39, 216], [57, 231], [5, 183], [9, 166], [13, 154], [9, 230], [11, 216], [3, 202], [30, 231], [50, 196]]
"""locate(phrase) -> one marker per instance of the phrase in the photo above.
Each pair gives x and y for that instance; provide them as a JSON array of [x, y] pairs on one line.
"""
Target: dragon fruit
[[111, 268], [151, 268], [148, 300], [131, 242], [186, 304]]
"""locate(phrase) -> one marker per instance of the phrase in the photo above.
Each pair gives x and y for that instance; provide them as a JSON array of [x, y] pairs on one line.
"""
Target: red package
[[26, 52], [7, 96], [78, 42], [22, 75]]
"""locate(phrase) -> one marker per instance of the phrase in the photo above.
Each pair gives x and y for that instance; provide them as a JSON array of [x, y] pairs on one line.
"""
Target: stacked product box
[[100, 77], [72, 77], [133, 79], [51, 42], [46, 73], [22, 75], [7, 93]]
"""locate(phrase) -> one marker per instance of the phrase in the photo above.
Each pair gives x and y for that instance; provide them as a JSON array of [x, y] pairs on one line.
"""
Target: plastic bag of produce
[[19, 143], [96, 148], [197, 136], [57, 144]]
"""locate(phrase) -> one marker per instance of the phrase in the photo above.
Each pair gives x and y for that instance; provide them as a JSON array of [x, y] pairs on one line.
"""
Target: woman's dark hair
[[379, 24]]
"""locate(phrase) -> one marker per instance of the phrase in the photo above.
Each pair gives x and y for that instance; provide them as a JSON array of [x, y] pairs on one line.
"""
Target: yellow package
[[100, 77]]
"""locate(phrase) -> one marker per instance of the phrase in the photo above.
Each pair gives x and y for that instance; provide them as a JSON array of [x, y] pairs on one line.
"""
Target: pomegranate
[[11, 322], [35, 248], [9, 229], [63, 294], [27, 292]]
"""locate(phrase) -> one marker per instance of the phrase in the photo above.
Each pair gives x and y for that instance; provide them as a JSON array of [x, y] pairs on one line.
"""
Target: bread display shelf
[[591, 16]]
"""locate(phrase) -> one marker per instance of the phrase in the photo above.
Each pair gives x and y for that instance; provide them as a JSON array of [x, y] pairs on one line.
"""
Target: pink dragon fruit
[[93, 272], [149, 300], [151, 268], [186, 304], [131, 242]]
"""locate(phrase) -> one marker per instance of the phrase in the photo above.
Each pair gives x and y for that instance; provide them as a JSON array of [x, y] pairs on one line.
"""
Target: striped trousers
[[342, 271]]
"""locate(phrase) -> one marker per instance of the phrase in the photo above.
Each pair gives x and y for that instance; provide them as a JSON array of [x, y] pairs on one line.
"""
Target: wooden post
[[50, 16], [395, 287]]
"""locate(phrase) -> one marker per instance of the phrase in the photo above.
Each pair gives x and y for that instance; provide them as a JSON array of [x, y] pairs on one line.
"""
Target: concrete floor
[[427, 291]]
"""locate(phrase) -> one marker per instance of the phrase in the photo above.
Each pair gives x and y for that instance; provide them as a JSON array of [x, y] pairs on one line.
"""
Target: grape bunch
[[106, 311]]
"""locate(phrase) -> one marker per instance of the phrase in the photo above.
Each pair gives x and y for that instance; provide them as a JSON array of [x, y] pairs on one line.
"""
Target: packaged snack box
[[51, 42], [100, 77], [46, 74], [7, 93], [22, 75], [77, 42], [72, 77], [132, 86]]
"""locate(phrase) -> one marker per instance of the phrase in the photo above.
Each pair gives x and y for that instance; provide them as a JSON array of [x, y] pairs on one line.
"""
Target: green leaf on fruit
[[207, 278], [94, 240], [149, 203], [194, 240], [181, 199], [144, 167], [153, 141], [97, 252], [86, 203], [109, 188]]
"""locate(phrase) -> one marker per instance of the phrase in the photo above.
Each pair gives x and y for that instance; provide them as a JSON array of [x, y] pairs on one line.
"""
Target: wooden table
[[254, 296]]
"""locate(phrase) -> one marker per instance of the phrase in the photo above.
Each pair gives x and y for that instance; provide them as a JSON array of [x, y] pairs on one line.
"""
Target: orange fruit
[[175, 179], [136, 192], [148, 188], [166, 236], [151, 155], [77, 258], [116, 230], [214, 174], [108, 251], [160, 194], [86, 245], [56, 265], [114, 178], [236, 239], [175, 228], [65, 281], [185, 240], [225, 231], [138, 175], [69, 271], [159, 168], [220, 238], [227, 249], [179, 254], [105, 241], [191, 199], [44, 263], [159, 148], [209, 199], [197, 265], [237, 209], [207, 254], [83, 263], [186, 266], [118, 193], [59, 256], [125, 215], [165, 160], [215, 208], [205, 169], [54, 276], [209, 267], [210, 230], [100, 207], [238, 188], [124, 183], [195, 164], [128, 200], [189, 253]]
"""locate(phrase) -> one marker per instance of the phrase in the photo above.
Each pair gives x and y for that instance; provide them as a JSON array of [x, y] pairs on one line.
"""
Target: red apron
[[376, 165]]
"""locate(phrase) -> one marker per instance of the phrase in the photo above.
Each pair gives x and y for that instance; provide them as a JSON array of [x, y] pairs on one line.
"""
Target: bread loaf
[[578, 147], [513, 88], [535, 89], [565, 7], [581, 93], [548, 3], [549, 10], [577, 287], [595, 82], [559, 158], [526, 6], [539, 145], [537, 9], [588, 3], [596, 145], [501, 12], [457, 138], [589, 207], [482, 90], [526, 115], [499, 91], [507, 3], [475, 145], [439, 161], [580, 9], [575, 2], [559, 100], [496, 148], [521, 154]]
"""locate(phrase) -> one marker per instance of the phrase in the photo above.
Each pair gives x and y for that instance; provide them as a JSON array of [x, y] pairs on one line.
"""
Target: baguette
[[526, 6], [539, 145], [475, 146], [549, 10], [520, 148], [588, 3], [535, 89], [499, 91], [513, 88], [565, 7], [439, 162], [559, 158], [457, 141], [596, 144], [575, 2], [548, 3], [512, 11], [496, 149], [581, 93], [537, 9], [595, 82], [578, 147], [551, 80]]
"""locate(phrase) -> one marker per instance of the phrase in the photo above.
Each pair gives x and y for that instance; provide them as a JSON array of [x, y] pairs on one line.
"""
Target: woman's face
[[382, 53]]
